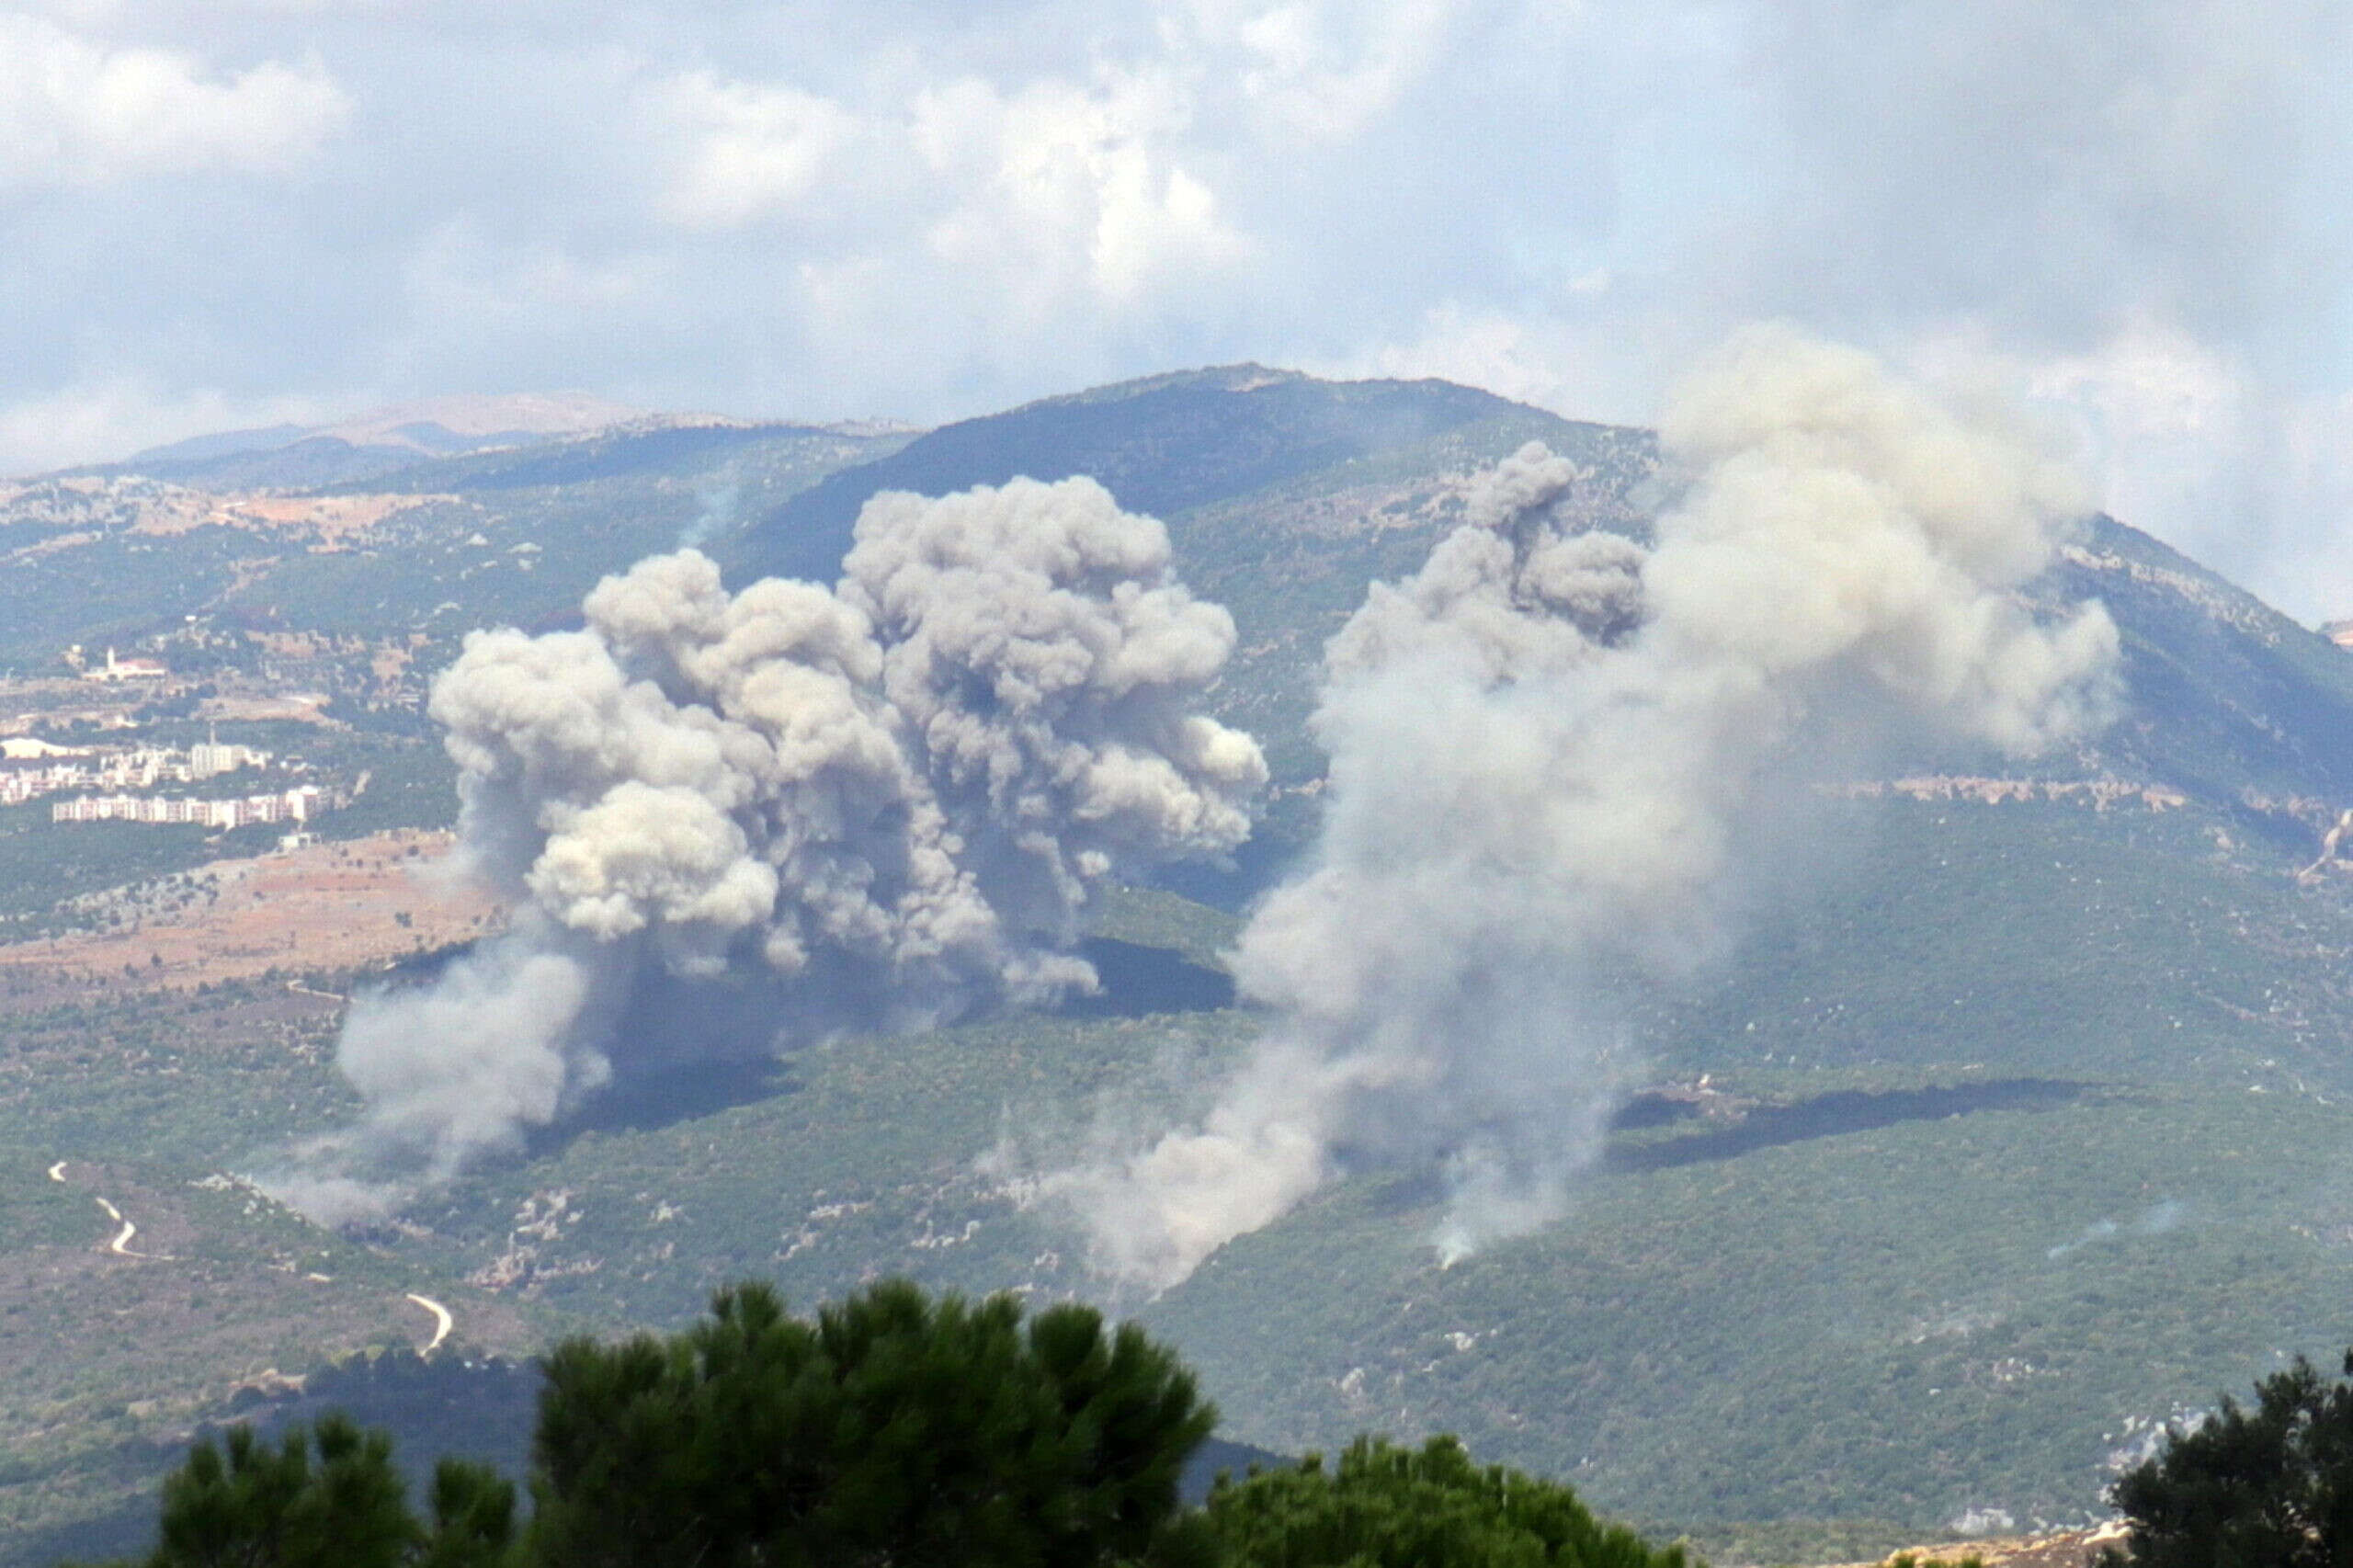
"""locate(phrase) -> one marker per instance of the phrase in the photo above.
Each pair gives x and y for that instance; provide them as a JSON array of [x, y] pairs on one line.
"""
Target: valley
[[2017, 1121]]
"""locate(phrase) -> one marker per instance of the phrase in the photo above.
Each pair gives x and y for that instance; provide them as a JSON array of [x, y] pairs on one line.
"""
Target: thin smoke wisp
[[1550, 754]]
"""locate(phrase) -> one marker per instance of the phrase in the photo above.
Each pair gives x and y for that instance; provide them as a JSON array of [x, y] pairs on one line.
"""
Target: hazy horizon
[[238, 215]]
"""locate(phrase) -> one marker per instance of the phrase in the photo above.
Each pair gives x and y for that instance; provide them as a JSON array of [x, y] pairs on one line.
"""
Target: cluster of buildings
[[298, 804], [30, 768]]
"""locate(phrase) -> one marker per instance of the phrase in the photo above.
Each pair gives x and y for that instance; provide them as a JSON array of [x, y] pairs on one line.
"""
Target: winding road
[[442, 1321], [121, 1245]]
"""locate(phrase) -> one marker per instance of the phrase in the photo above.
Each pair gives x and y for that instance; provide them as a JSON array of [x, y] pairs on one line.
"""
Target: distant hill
[[2022, 1118], [300, 463], [2228, 699], [221, 444], [646, 447], [298, 456], [1166, 445], [1284, 495]]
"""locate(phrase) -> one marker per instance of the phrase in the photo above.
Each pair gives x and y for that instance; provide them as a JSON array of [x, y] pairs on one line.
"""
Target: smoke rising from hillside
[[1550, 751], [732, 822]]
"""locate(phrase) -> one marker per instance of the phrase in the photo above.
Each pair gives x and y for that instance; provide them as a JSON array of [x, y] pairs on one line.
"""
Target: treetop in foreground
[[2270, 1487], [1386, 1506], [892, 1431], [244, 1504]]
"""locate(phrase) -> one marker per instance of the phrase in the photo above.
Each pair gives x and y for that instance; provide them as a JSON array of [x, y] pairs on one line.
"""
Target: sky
[[2130, 216]]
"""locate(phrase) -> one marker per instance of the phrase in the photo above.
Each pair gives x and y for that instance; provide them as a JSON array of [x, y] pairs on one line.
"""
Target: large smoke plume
[[1551, 755], [730, 823]]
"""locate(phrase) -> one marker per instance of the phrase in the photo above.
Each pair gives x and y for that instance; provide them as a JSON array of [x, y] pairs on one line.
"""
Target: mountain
[[1283, 494], [292, 456], [427, 546], [1169, 446], [2019, 1120], [219, 443]]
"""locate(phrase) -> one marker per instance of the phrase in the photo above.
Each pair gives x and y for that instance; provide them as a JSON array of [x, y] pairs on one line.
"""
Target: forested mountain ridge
[[2015, 1124]]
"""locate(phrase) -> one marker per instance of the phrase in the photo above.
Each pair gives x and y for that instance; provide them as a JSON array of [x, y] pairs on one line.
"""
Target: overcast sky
[[221, 212]]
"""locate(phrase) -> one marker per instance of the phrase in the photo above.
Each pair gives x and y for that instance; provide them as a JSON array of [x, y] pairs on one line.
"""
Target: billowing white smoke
[[1546, 750], [866, 807]]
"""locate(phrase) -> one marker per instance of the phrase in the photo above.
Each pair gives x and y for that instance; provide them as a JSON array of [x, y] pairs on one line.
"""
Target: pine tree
[[894, 1429], [241, 1503], [1391, 1507], [2270, 1487]]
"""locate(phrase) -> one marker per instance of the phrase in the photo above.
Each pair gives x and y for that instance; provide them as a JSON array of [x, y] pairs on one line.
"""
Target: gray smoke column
[[793, 811], [1548, 751]]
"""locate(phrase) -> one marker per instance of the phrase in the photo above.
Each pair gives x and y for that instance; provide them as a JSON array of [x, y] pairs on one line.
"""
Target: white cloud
[[2185, 438], [1062, 193], [77, 112], [1330, 69], [751, 150], [2148, 380], [461, 278], [2128, 205], [1491, 349], [1064, 183]]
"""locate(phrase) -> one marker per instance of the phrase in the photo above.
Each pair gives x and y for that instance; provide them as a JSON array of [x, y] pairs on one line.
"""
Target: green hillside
[[513, 537], [2018, 1118]]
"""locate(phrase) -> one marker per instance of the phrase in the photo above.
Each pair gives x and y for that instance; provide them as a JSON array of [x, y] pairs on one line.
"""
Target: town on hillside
[[109, 743]]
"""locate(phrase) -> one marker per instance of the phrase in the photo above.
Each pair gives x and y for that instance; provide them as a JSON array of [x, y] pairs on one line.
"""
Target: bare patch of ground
[[301, 707], [2047, 1549], [325, 907], [334, 518]]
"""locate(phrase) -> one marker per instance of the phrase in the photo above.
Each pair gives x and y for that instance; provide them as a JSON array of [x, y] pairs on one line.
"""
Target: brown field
[[329, 906], [334, 518]]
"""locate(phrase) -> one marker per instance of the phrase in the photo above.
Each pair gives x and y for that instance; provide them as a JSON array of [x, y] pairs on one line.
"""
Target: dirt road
[[442, 1321]]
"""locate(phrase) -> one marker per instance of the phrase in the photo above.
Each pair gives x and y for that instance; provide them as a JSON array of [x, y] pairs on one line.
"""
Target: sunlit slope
[[2036, 1106], [2058, 1128], [2228, 699], [1170, 446], [1284, 495], [510, 537], [2020, 1091], [2125, 945], [1899, 1322]]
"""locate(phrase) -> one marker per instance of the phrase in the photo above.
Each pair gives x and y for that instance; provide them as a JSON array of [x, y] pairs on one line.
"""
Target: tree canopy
[[892, 1430], [2270, 1487], [1385, 1506], [243, 1504]]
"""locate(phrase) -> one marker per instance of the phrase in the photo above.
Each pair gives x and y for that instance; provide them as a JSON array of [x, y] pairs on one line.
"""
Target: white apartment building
[[291, 805]]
